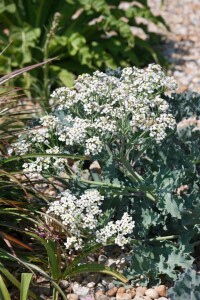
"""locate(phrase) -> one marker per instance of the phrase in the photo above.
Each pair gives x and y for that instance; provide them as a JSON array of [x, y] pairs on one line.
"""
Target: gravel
[[182, 45]]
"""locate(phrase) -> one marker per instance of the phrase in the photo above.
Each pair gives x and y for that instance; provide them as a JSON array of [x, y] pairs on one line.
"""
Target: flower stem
[[136, 177]]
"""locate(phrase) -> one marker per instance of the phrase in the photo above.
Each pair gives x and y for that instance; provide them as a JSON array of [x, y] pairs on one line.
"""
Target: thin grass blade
[[25, 283], [4, 294], [97, 268], [20, 71]]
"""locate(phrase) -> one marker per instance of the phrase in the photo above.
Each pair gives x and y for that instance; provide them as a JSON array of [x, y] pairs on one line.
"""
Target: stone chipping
[[182, 42]]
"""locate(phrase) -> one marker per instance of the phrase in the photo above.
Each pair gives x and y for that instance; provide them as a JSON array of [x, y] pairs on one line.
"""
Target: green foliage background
[[84, 34]]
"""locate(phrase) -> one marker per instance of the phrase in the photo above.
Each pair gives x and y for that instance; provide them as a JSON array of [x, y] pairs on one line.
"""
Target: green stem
[[136, 177], [109, 185], [157, 239], [121, 187], [164, 238], [55, 294], [39, 13], [132, 173], [32, 155]]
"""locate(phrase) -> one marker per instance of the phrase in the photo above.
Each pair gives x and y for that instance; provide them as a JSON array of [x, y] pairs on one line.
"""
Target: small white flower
[[93, 146], [81, 215]]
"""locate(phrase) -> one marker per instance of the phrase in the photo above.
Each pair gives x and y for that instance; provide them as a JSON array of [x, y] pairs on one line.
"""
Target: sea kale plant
[[131, 174]]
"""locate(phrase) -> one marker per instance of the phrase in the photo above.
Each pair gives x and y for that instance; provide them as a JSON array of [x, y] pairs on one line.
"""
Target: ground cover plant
[[42, 29], [125, 174]]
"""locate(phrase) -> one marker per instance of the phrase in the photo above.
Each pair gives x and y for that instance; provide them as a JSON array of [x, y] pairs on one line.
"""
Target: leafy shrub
[[85, 35], [120, 119], [185, 105], [145, 167], [186, 287]]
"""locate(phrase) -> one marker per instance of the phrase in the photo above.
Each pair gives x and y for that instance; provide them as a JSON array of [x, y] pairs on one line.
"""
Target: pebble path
[[182, 45]]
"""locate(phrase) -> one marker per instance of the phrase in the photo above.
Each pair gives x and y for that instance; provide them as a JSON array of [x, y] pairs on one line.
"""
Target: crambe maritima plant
[[102, 113], [120, 121]]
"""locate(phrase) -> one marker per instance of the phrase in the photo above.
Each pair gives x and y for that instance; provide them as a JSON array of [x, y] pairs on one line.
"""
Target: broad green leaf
[[186, 287], [171, 205], [11, 8], [66, 77]]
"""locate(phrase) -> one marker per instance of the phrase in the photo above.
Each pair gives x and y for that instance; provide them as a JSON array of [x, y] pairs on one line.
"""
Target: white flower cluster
[[21, 147], [118, 229], [49, 121], [93, 145], [101, 108], [104, 100], [45, 163], [80, 218]]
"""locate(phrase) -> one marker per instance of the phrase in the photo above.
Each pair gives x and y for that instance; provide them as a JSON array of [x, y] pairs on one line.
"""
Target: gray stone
[[111, 285], [102, 259], [152, 293], [101, 297], [112, 292], [123, 296], [81, 291], [140, 290], [64, 284], [91, 285], [111, 263], [72, 297], [100, 287], [106, 280]]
